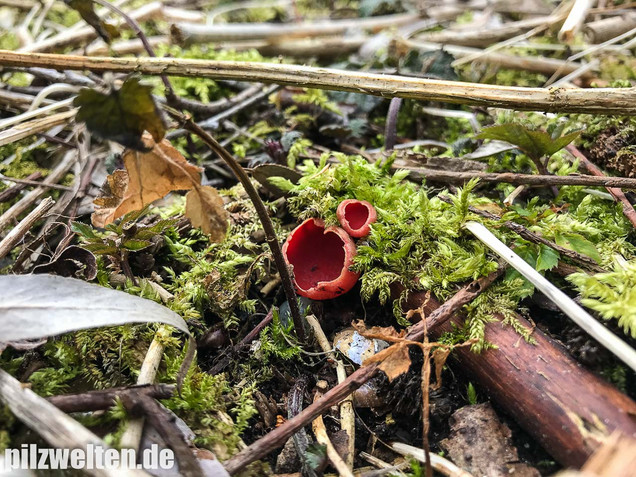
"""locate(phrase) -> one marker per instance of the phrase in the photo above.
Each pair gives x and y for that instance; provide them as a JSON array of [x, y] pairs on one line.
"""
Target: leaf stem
[[261, 210], [132, 23]]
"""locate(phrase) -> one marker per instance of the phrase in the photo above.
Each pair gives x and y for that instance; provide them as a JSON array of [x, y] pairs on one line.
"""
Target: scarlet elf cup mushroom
[[356, 217], [320, 258]]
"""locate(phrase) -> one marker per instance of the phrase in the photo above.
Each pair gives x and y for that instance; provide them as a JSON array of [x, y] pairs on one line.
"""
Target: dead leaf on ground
[[439, 356], [387, 333], [204, 208], [148, 176], [394, 360]]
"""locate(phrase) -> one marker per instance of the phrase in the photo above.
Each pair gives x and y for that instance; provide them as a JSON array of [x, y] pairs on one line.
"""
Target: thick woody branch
[[564, 100]]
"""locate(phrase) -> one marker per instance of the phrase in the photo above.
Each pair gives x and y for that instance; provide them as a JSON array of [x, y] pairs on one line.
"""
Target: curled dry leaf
[[394, 360], [204, 208], [148, 176], [387, 333], [439, 357]]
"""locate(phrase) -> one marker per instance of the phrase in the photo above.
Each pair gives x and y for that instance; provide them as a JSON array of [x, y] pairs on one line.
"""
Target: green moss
[[9, 41], [203, 89]]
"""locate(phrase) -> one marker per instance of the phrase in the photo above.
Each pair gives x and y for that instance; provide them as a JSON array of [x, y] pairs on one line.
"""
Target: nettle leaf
[[83, 230], [85, 8], [547, 259], [579, 244], [122, 115], [135, 245], [536, 144]]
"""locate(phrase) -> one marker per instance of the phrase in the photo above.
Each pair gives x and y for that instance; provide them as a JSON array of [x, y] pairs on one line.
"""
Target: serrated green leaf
[[121, 115], [101, 249], [135, 245], [83, 230], [536, 144], [547, 259]]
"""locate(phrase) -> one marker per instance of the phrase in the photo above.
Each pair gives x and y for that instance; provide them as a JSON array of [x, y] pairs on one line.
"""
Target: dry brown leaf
[[439, 356], [394, 360], [204, 208], [148, 176], [387, 333]]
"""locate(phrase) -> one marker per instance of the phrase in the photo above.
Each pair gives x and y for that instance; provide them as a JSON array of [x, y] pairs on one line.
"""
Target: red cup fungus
[[320, 258], [356, 216]]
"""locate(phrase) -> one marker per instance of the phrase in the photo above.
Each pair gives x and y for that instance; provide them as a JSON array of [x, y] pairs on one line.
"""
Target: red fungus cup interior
[[320, 259], [356, 216]]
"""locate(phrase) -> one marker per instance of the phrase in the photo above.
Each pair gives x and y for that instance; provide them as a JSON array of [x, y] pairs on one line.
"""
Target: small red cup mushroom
[[320, 258], [356, 217]]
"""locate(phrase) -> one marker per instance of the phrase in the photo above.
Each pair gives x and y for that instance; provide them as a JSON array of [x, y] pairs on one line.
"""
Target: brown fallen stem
[[13, 191], [569, 410], [335, 395], [628, 208], [261, 210], [164, 422], [602, 101], [525, 179], [583, 260], [106, 398], [17, 233], [170, 96], [30, 182]]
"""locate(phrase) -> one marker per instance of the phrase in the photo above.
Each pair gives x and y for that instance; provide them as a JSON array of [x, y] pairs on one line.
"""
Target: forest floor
[[307, 238]]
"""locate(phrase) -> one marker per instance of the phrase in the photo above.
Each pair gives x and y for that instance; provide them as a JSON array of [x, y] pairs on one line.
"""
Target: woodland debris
[[602, 101], [51, 424], [568, 409], [481, 444], [616, 458], [19, 231]]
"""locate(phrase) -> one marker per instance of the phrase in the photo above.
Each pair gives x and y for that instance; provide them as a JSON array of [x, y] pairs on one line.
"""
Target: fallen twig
[[19, 231], [131, 436], [574, 100], [261, 211], [51, 424], [279, 436], [525, 179], [105, 398], [583, 260], [187, 33], [25, 202], [440, 464], [347, 416], [320, 432]]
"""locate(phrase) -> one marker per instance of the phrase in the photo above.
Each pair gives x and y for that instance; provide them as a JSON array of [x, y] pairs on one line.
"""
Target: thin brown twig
[[18, 232], [538, 180], [602, 101]]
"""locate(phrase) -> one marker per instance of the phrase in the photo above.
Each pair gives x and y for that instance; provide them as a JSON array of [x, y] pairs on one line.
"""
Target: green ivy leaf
[[536, 144], [122, 115], [547, 259]]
